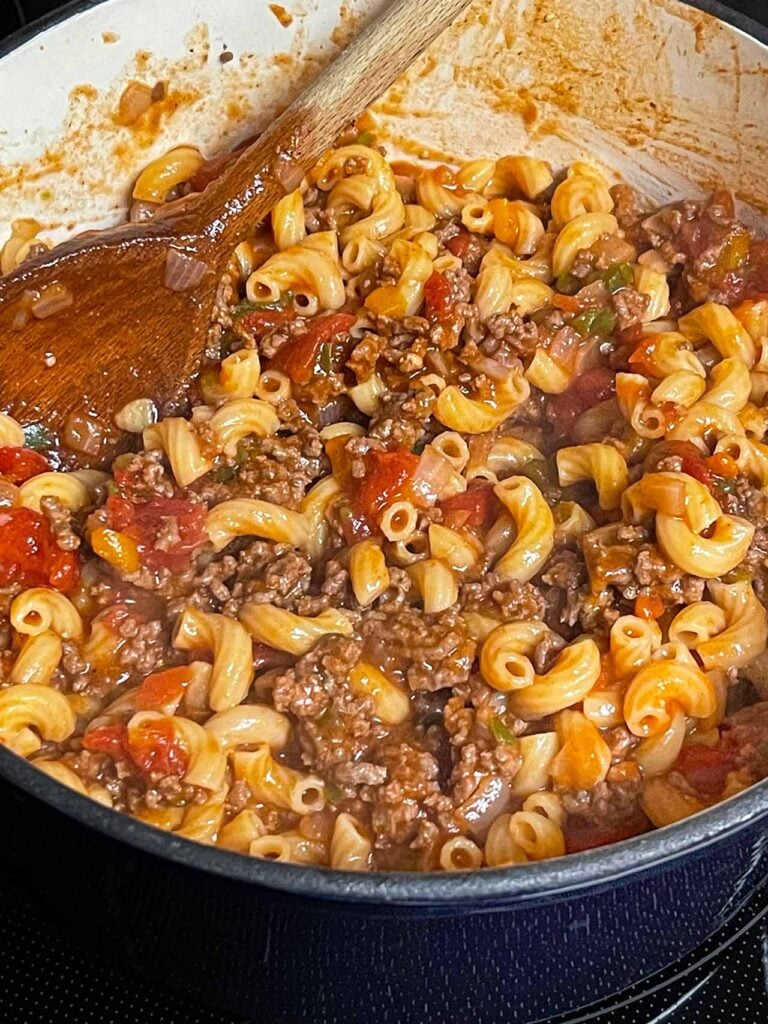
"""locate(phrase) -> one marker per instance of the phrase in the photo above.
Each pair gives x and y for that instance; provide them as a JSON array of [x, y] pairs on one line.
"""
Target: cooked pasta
[[31, 713], [534, 526], [457, 411], [570, 679], [286, 631], [600, 463], [584, 756], [350, 846], [231, 648], [368, 571], [40, 610], [579, 194], [391, 705], [38, 659], [246, 724], [248, 517], [310, 268], [436, 583], [580, 233], [239, 832], [455, 557], [166, 173], [11, 432], [273, 783]]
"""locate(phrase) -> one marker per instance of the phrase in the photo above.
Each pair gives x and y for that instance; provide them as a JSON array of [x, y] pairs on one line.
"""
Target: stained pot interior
[[658, 92]]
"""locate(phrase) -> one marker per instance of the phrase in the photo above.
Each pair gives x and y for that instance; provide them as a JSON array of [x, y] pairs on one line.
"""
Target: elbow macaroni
[[306, 552]]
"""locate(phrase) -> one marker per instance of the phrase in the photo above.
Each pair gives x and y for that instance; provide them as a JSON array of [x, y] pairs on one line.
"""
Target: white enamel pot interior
[[660, 93]]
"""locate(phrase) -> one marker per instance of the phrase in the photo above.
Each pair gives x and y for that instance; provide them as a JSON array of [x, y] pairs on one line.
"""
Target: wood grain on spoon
[[125, 334]]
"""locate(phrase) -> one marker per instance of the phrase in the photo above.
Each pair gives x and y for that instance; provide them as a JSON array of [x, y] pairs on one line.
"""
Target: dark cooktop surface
[[45, 979]]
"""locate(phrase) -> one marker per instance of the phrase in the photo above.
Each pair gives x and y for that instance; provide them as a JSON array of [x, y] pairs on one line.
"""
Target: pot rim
[[488, 886], [34, 28]]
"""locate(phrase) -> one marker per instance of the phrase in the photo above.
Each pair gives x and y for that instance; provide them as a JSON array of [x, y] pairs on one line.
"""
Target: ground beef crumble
[[429, 652], [512, 600], [449, 767], [400, 804], [335, 727], [608, 804], [403, 417], [61, 522], [280, 469], [145, 476]]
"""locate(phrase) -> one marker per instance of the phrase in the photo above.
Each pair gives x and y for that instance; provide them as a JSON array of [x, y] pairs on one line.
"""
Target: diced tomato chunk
[[705, 768], [641, 358], [151, 745], [649, 606], [63, 569], [29, 554], [477, 506], [261, 321], [154, 747], [143, 521], [437, 297], [693, 462], [189, 517], [587, 390], [108, 739], [19, 464], [696, 467], [298, 358], [387, 478], [120, 512], [163, 688]]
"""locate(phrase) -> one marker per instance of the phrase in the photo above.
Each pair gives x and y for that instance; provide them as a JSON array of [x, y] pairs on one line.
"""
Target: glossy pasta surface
[[458, 556]]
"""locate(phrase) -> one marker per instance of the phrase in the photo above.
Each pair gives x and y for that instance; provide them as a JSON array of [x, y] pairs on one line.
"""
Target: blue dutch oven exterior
[[285, 944]]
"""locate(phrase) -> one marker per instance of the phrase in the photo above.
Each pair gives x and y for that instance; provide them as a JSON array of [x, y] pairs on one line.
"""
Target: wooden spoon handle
[[385, 48], [273, 165]]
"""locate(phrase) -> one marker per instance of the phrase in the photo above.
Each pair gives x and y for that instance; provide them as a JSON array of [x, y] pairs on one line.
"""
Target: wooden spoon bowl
[[115, 315]]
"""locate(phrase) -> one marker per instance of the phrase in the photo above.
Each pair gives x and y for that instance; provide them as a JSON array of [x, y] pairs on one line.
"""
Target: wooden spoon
[[124, 334]]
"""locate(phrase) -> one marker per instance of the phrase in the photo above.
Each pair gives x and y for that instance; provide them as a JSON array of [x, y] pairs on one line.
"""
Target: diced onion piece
[[490, 367], [20, 317], [287, 172], [434, 474], [52, 300], [83, 432], [182, 271], [141, 211], [136, 415], [135, 101]]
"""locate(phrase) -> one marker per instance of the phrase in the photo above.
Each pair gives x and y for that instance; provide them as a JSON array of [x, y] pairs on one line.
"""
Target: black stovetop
[[44, 979]]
